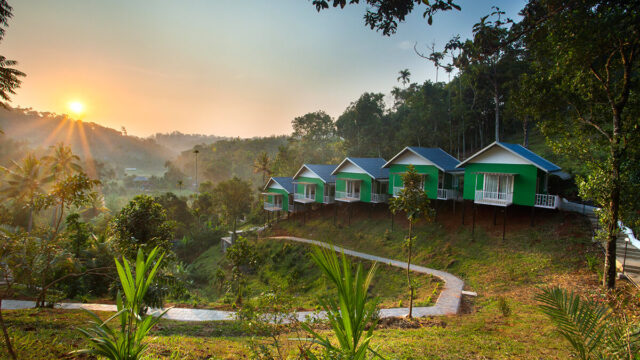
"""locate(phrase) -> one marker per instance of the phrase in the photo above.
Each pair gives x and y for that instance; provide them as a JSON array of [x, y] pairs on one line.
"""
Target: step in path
[[448, 302]]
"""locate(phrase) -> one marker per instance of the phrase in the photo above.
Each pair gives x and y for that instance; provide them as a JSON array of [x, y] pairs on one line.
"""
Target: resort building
[[315, 184], [363, 180], [278, 194], [503, 174], [441, 178]]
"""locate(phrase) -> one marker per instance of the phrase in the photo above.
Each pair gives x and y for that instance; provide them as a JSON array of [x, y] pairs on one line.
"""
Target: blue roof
[[536, 159], [439, 157], [285, 182], [324, 171], [373, 166]]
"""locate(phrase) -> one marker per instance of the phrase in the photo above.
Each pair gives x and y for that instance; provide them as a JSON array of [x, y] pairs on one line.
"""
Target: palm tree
[[95, 207], [62, 162], [180, 183], [23, 181], [9, 77], [261, 165], [404, 76]]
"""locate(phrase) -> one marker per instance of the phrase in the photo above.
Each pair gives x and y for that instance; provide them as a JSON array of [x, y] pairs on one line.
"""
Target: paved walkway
[[448, 302]]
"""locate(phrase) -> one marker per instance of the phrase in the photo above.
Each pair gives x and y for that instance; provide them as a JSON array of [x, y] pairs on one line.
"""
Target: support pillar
[[495, 212], [504, 222], [464, 208], [533, 216], [473, 229]]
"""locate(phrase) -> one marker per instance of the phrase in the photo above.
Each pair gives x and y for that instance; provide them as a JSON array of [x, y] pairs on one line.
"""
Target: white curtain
[[491, 183]]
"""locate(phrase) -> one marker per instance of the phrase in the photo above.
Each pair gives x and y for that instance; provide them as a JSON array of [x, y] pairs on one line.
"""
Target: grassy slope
[[551, 253], [288, 266]]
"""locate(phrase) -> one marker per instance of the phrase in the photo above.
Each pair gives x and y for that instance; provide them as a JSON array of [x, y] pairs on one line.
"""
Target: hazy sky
[[224, 67]]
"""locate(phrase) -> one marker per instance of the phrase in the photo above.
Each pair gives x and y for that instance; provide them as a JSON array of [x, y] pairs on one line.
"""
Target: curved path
[[448, 302]]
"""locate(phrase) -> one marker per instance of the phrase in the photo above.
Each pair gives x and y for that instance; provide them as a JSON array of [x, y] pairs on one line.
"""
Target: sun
[[76, 107]]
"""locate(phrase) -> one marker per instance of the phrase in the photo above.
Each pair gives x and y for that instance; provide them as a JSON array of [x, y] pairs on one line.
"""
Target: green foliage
[[126, 342], [142, 224], [351, 316], [504, 307], [234, 198], [244, 258], [591, 329]]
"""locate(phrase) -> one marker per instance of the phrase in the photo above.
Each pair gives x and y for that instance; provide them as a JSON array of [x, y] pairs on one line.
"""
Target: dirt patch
[[415, 323]]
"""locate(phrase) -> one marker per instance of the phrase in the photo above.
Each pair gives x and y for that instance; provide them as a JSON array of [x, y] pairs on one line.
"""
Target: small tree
[[234, 197], [413, 201], [142, 224], [243, 257]]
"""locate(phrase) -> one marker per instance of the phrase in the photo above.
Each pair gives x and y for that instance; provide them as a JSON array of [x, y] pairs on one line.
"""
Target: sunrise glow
[[76, 107]]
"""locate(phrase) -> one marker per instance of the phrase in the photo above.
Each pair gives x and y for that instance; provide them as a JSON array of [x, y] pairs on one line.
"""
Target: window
[[310, 192], [497, 184], [353, 188]]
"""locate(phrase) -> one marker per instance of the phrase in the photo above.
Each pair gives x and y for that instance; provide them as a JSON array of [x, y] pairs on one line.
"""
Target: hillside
[[178, 142], [40, 130]]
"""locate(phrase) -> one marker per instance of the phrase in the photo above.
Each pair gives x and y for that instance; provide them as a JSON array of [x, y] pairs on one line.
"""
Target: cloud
[[405, 45]]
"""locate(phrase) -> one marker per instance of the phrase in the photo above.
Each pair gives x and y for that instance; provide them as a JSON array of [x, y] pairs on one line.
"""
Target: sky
[[222, 67]]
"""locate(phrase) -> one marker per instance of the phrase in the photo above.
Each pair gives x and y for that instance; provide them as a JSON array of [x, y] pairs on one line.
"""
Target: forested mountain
[[39, 130], [178, 142], [228, 158]]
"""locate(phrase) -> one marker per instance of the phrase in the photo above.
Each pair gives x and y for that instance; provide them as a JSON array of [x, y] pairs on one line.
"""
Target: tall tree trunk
[[525, 131], [409, 271], [30, 224], [7, 339], [614, 209], [497, 110]]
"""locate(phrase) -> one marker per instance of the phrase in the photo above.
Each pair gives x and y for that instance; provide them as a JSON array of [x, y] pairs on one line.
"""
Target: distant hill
[[39, 130], [179, 142]]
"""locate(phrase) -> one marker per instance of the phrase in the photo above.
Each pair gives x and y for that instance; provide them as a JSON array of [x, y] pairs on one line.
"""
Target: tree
[[262, 165], [362, 124], [62, 162], [234, 198], [404, 76], [142, 224], [585, 61], [9, 76], [243, 256], [315, 126], [23, 182], [413, 201], [384, 15]]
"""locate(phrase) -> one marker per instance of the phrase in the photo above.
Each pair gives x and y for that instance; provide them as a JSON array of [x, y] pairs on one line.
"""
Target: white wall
[[498, 155], [275, 185], [308, 173], [409, 158], [350, 168]]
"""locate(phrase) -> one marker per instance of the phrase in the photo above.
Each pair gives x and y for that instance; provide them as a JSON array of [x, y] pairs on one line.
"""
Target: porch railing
[[379, 198], [347, 195], [494, 198], [547, 201], [272, 206], [299, 196], [329, 199]]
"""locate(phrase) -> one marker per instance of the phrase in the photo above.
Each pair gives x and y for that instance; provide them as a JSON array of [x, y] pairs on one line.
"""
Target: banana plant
[[126, 342], [351, 316]]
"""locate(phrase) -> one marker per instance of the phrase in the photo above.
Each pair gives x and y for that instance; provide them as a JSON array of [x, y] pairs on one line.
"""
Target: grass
[[503, 322], [286, 265]]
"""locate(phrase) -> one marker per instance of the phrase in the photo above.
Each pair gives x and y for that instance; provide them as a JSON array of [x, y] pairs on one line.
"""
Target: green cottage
[[362, 179], [503, 174], [315, 184], [277, 194], [441, 178]]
